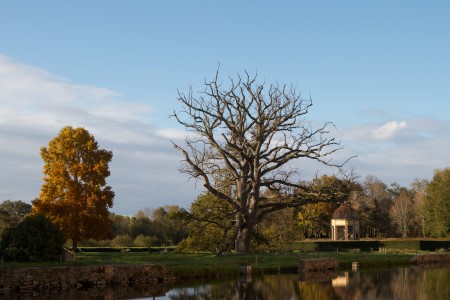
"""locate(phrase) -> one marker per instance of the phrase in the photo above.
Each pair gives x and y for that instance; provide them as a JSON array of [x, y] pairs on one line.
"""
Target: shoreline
[[71, 278]]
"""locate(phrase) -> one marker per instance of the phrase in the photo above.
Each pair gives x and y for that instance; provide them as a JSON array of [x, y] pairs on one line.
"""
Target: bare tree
[[402, 213], [248, 134], [373, 202], [418, 189]]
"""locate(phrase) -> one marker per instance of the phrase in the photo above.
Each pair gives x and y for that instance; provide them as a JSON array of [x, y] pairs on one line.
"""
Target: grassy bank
[[208, 265]]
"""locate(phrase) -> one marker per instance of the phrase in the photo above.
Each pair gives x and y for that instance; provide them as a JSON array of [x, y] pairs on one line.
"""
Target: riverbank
[[203, 265]]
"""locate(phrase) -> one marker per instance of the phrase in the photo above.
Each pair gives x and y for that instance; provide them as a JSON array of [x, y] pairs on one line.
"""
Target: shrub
[[185, 246], [100, 249], [145, 241], [35, 238], [90, 243], [122, 240]]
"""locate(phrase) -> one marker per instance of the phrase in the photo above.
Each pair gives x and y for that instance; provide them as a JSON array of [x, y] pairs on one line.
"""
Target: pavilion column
[[353, 230], [346, 230]]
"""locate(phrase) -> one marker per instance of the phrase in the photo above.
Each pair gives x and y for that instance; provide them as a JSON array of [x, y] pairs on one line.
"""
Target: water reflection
[[398, 283], [156, 291], [401, 283]]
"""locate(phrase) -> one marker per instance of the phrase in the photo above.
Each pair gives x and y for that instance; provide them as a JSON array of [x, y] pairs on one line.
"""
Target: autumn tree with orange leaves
[[74, 195]]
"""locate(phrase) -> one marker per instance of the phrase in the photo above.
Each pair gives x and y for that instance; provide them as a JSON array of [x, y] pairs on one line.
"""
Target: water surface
[[395, 283]]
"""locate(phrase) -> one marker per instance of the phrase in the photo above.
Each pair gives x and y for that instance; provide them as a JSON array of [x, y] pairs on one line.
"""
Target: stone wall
[[66, 278], [429, 259], [319, 264]]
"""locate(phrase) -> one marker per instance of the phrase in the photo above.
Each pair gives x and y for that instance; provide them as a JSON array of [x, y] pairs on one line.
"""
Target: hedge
[[368, 245], [125, 249], [311, 246]]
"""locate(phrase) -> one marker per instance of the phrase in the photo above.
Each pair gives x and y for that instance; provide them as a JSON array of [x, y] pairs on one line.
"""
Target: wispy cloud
[[24, 86], [35, 105], [398, 151], [27, 91]]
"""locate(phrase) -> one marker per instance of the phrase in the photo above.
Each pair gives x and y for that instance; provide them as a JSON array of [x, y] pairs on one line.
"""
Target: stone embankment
[[25, 280], [320, 269], [431, 259], [319, 264]]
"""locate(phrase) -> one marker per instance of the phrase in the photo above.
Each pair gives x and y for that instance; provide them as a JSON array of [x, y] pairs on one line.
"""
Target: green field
[[208, 265]]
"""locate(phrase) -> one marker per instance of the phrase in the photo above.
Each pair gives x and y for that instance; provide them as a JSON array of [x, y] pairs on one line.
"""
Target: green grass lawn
[[208, 265]]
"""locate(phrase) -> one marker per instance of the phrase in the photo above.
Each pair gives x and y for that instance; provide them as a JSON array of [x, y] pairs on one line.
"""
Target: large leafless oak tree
[[247, 134]]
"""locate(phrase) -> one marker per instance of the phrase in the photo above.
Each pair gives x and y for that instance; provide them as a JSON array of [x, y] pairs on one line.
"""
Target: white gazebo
[[344, 224]]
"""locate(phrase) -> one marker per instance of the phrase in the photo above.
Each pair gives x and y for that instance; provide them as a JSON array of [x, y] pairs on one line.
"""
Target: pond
[[395, 283]]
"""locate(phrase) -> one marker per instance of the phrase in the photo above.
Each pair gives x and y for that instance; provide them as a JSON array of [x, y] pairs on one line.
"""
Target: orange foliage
[[74, 194]]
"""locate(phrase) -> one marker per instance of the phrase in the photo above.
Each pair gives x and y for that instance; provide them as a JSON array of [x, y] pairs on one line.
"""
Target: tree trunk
[[74, 246], [242, 244]]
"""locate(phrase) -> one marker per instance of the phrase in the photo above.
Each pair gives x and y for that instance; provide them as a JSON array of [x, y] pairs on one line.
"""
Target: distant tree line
[[163, 226], [420, 210], [385, 211]]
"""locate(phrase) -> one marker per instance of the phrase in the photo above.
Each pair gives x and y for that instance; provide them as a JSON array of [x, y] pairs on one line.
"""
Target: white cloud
[[388, 130], [27, 92], [419, 147], [22, 85]]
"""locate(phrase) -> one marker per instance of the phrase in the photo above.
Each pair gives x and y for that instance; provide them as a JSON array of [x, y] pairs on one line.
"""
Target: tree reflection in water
[[399, 283]]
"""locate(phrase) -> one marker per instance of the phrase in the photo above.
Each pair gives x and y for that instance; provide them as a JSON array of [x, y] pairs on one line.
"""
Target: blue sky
[[380, 71]]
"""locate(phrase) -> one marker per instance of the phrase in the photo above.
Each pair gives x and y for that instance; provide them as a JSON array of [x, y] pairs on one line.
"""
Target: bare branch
[[249, 133]]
